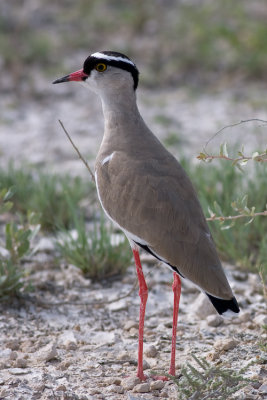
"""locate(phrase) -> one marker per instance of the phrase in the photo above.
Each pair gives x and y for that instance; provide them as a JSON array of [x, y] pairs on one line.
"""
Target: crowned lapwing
[[144, 190]]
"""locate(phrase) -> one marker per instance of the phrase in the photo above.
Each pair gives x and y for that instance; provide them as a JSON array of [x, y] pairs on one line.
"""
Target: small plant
[[93, 251], [208, 382], [219, 188], [18, 239]]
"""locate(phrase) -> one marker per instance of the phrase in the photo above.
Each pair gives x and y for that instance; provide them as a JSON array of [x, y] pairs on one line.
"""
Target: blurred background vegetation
[[199, 42]]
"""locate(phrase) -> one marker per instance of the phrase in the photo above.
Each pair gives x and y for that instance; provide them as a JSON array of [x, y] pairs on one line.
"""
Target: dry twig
[[77, 150]]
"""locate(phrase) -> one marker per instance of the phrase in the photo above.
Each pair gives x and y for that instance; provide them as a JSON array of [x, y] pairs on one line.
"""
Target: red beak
[[74, 76]]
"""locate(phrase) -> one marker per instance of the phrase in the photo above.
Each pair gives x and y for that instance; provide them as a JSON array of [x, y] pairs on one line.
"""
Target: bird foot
[[160, 378], [142, 376]]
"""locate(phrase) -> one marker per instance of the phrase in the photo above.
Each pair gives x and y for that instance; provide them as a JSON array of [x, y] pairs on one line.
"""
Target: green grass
[[206, 381], [243, 244], [93, 251], [56, 203], [50, 196]]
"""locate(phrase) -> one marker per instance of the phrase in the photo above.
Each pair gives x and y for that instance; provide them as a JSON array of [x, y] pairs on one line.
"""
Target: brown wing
[[154, 199]]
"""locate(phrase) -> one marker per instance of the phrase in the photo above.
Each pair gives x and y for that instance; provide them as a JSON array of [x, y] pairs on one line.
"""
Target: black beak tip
[[61, 80]]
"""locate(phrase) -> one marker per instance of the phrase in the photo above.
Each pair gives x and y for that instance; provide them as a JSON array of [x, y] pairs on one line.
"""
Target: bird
[[144, 191]]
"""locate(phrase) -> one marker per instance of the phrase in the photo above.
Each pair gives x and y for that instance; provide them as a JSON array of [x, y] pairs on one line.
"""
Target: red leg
[[143, 293], [176, 287]]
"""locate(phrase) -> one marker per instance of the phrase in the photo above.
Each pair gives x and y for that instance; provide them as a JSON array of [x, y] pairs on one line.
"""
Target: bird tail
[[222, 305]]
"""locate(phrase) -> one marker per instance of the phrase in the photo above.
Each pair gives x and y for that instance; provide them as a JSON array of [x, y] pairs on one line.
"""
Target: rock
[[130, 383], [142, 388], [202, 307], [13, 344], [260, 319], [47, 353], [13, 355], [113, 381], [212, 356], [214, 320], [21, 363], [240, 276], [164, 394], [115, 389], [123, 356], [68, 340], [151, 351], [46, 245], [225, 344], [157, 385], [146, 365], [61, 388], [19, 371], [245, 317], [118, 305], [130, 324], [263, 388], [65, 364]]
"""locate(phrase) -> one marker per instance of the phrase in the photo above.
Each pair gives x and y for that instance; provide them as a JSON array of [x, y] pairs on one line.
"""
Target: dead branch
[[231, 217]]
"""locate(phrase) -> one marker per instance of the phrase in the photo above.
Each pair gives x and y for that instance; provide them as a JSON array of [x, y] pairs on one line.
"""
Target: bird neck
[[120, 109]]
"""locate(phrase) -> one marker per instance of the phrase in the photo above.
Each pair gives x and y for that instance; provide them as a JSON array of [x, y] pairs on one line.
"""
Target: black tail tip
[[224, 305]]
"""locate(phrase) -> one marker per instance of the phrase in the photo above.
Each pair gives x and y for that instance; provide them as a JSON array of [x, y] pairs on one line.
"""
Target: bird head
[[105, 70]]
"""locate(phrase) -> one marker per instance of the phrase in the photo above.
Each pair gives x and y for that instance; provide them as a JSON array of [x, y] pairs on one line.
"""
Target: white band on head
[[112, 58]]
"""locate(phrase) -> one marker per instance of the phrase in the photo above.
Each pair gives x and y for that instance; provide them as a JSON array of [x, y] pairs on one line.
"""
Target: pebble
[[46, 245], [212, 356], [47, 353], [115, 389], [225, 344], [164, 394], [118, 305], [214, 320], [142, 388], [202, 307], [18, 371], [151, 351], [157, 385], [123, 356], [263, 388], [68, 340], [146, 365], [13, 344], [260, 319], [130, 324], [240, 276], [61, 388], [21, 363], [65, 364], [113, 381], [245, 317], [13, 355], [130, 383]]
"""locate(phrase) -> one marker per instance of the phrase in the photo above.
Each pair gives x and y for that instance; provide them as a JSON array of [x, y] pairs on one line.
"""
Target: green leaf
[[23, 248], [243, 162], [202, 156], [8, 237], [212, 213], [255, 155], [218, 208], [9, 194]]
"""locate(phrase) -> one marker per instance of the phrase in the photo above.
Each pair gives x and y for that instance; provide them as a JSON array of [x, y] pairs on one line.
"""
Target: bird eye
[[101, 67]]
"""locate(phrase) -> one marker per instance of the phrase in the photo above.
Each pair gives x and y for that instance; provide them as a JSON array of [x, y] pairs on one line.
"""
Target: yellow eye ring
[[101, 67]]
